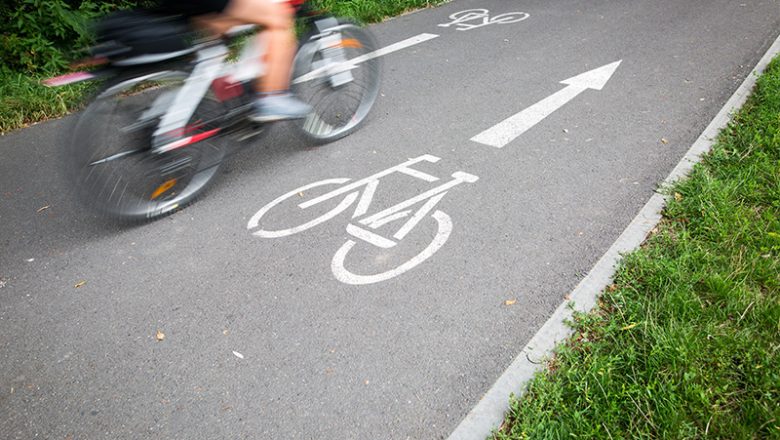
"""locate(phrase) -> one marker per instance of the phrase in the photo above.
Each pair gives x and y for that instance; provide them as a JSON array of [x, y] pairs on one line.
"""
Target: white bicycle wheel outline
[[349, 199], [507, 18], [347, 277]]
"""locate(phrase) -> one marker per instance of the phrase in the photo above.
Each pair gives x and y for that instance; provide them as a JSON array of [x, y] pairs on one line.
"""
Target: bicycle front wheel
[[335, 73], [110, 162]]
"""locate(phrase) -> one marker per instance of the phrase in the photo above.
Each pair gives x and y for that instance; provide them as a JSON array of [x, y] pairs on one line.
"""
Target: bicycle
[[362, 227], [150, 141]]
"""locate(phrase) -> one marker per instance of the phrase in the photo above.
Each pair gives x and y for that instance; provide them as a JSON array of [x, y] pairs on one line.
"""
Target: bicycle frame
[[210, 65], [397, 211]]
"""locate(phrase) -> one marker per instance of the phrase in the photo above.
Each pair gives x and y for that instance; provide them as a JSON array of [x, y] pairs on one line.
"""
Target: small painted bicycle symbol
[[362, 227], [476, 18]]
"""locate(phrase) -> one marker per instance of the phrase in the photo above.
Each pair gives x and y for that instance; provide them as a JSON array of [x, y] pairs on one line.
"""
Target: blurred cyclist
[[274, 101]]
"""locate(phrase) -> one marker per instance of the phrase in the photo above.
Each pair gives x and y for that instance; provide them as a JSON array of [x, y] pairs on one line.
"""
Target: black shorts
[[192, 8]]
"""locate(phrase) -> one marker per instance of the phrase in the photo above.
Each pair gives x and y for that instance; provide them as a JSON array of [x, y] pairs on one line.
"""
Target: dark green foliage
[[44, 35], [38, 38]]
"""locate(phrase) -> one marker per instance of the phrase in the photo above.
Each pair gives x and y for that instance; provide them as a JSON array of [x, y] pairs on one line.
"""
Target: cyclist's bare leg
[[278, 34], [276, 16]]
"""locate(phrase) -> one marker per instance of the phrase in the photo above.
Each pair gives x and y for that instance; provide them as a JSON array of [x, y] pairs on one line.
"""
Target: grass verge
[[686, 343], [23, 100]]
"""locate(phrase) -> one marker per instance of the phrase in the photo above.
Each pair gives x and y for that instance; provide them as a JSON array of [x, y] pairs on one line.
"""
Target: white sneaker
[[279, 107]]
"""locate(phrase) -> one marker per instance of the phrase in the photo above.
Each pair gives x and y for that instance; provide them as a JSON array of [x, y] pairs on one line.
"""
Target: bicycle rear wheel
[[341, 86], [110, 162]]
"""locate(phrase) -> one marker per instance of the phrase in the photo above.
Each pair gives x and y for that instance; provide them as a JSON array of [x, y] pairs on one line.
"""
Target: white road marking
[[345, 276], [482, 18], [351, 192], [409, 42], [508, 130], [350, 64], [254, 222]]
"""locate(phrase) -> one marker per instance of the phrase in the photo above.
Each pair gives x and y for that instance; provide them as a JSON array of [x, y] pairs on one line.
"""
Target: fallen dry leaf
[[678, 196], [43, 208], [612, 287], [510, 302], [79, 284], [664, 141], [300, 194], [160, 335]]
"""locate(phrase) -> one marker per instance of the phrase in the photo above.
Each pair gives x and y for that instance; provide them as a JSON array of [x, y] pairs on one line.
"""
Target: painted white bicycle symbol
[[481, 17], [361, 226]]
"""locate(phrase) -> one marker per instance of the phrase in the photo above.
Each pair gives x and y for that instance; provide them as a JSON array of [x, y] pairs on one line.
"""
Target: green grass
[[686, 343], [23, 100], [371, 11]]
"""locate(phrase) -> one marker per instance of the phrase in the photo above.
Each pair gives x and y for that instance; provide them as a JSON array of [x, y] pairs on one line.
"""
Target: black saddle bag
[[130, 33]]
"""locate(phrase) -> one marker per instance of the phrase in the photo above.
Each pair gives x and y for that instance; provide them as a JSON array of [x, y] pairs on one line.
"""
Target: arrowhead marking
[[593, 79], [507, 130]]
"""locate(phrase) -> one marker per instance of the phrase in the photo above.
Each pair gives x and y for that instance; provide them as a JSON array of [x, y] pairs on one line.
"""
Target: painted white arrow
[[351, 64], [508, 130]]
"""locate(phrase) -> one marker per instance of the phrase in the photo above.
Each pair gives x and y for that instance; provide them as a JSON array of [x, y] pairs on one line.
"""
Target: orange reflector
[[349, 43], [163, 188]]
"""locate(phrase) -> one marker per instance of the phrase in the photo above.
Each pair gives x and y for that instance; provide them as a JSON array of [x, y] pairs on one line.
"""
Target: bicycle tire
[[109, 159], [338, 110]]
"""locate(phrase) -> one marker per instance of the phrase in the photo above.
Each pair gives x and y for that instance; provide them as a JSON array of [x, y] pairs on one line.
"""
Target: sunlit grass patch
[[687, 342], [24, 100]]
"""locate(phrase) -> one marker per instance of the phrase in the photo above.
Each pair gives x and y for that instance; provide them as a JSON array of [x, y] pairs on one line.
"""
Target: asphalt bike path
[[390, 319]]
